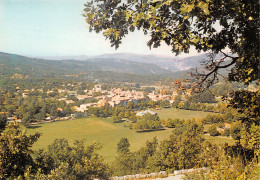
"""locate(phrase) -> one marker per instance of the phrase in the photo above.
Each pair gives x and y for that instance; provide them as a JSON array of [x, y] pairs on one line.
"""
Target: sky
[[57, 28]]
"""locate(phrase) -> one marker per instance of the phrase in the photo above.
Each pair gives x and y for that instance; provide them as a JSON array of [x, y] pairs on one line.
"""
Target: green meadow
[[107, 133], [102, 131]]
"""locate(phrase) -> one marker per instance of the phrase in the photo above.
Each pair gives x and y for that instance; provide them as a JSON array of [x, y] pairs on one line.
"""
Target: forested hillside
[[11, 64]]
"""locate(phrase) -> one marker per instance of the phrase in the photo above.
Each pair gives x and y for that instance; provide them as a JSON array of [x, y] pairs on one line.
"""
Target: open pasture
[[94, 129], [107, 133]]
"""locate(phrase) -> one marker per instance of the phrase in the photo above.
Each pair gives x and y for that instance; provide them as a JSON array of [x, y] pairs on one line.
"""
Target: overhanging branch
[[212, 76]]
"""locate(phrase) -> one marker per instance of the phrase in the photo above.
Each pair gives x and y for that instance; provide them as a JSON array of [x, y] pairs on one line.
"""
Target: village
[[118, 96], [97, 97]]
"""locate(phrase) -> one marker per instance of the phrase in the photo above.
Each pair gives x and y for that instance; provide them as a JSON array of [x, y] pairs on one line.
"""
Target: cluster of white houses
[[113, 98], [118, 96]]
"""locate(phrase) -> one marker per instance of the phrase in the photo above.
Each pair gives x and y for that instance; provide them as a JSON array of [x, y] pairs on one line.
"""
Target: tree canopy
[[208, 25]]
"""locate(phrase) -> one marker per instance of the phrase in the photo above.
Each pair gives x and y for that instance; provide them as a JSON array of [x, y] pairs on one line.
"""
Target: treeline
[[35, 109], [126, 111], [200, 102], [45, 84], [37, 106]]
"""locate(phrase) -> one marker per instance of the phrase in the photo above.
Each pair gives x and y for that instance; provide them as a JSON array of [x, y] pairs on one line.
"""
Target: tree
[[115, 119], [235, 130], [204, 97], [27, 119], [207, 25], [181, 151], [248, 103], [123, 146], [165, 104], [213, 130], [181, 105], [186, 105], [136, 162], [76, 162], [15, 151], [226, 132], [3, 122]]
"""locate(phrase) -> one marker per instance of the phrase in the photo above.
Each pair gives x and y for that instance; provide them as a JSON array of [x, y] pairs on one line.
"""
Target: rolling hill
[[34, 67], [170, 63]]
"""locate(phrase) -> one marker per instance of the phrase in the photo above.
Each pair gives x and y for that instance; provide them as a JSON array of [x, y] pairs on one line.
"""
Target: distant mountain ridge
[[11, 63], [171, 63], [108, 67]]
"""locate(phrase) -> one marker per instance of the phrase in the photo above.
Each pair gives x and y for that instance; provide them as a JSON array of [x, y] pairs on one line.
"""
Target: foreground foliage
[[15, 151], [18, 160], [185, 148]]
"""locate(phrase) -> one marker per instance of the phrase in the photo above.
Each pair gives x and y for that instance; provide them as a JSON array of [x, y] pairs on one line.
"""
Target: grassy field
[[180, 113], [98, 130], [108, 134]]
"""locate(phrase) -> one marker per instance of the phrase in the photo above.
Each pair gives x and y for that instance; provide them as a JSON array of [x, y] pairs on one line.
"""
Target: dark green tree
[[3, 122], [115, 119], [181, 150], [165, 104], [213, 130], [235, 130], [74, 162], [123, 146], [27, 119], [16, 151], [247, 103], [227, 132], [204, 97]]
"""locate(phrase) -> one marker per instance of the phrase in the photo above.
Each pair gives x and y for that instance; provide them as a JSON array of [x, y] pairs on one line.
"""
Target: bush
[[227, 132], [213, 130], [123, 146], [165, 104], [115, 119], [221, 125], [235, 130]]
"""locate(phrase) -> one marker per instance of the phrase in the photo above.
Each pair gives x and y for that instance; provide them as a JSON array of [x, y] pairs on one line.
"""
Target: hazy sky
[[57, 28]]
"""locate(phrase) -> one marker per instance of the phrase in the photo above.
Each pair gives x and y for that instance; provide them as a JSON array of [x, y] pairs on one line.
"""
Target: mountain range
[[11, 64], [107, 66], [170, 63], [121, 67]]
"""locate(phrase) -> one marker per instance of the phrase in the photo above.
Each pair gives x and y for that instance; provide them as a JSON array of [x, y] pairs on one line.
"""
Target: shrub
[[221, 125], [213, 130], [235, 130], [227, 132], [115, 119]]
